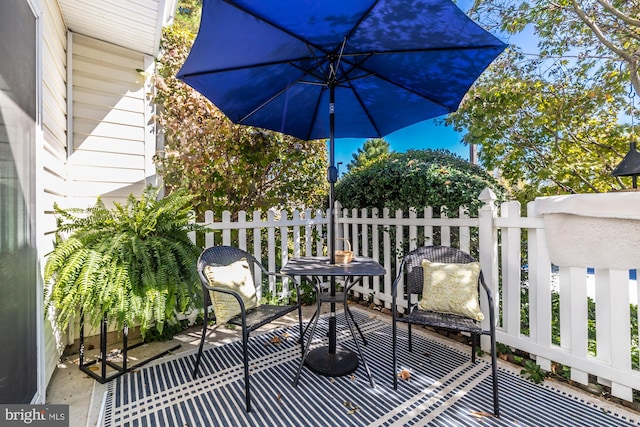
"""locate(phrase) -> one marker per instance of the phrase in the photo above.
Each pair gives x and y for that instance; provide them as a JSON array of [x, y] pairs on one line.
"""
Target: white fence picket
[[511, 269], [577, 304]]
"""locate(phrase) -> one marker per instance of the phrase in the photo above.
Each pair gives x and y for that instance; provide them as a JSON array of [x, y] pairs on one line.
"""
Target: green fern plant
[[134, 263]]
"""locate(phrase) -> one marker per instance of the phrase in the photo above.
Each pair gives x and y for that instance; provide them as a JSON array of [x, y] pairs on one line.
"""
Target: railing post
[[540, 312], [511, 268], [488, 253]]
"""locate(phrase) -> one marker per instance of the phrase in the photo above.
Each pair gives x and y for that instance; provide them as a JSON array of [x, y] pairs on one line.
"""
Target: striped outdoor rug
[[444, 389]]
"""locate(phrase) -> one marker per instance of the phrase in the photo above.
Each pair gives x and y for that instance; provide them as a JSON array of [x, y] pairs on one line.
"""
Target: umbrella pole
[[332, 173], [332, 176]]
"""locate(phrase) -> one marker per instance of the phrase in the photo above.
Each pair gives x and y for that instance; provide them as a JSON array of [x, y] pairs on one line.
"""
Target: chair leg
[[301, 339], [394, 356], [245, 351], [474, 343], [494, 376], [204, 334]]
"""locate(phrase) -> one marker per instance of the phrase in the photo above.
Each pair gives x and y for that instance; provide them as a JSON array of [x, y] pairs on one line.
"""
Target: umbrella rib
[[319, 77], [366, 111], [315, 113], [362, 18], [344, 56], [244, 67], [345, 75], [359, 65], [259, 107], [394, 83], [274, 25], [423, 50]]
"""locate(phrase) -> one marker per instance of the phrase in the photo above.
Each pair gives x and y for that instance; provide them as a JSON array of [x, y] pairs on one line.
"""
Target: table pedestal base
[[343, 362]]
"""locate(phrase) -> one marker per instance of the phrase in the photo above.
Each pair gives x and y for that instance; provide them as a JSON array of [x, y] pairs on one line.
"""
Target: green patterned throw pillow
[[236, 276], [451, 288]]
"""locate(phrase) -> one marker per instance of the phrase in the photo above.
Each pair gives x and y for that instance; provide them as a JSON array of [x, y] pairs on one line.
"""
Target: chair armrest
[[492, 313], [284, 276], [228, 291], [487, 290]]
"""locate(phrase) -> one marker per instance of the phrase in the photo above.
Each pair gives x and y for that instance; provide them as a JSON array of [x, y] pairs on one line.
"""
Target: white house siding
[[104, 146], [110, 123], [54, 153]]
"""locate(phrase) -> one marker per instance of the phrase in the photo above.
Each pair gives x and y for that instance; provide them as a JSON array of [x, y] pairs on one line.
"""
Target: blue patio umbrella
[[336, 68]]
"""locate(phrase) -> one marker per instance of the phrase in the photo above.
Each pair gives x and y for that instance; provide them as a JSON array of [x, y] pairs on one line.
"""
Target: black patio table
[[330, 360]]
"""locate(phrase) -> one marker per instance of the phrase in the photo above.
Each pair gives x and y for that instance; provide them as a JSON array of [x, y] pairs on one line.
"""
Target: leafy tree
[[227, 166], [544, 135], [550, 122], [593, 32], [188, 13], [416, 179], [372, 150]]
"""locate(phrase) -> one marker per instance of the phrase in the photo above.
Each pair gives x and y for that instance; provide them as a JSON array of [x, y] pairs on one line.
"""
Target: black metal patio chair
[[411, 269], [219, 264]]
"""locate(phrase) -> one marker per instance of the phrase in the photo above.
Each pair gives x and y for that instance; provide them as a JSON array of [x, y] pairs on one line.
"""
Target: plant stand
[[102, 360]]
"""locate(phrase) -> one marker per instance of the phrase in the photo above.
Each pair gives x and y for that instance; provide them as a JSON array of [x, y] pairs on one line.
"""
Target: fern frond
[[131, 263]]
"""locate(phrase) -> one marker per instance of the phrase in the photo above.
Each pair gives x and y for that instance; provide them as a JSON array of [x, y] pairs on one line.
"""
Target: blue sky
[[418, 136]]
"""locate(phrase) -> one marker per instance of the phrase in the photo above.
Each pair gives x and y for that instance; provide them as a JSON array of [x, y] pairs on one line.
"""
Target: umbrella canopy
[[392, 63], [336, 68]]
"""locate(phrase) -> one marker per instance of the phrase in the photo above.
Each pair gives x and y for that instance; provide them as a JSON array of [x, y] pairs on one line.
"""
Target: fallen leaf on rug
[[276, 340], [352, 408], [480, 414], [285, 336], [404, 375]]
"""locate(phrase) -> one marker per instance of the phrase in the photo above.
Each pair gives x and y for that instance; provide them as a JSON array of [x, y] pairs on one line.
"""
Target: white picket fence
[[494, 237]]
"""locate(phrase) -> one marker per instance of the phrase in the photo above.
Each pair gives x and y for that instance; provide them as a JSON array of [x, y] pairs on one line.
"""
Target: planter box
[[592, 230]]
